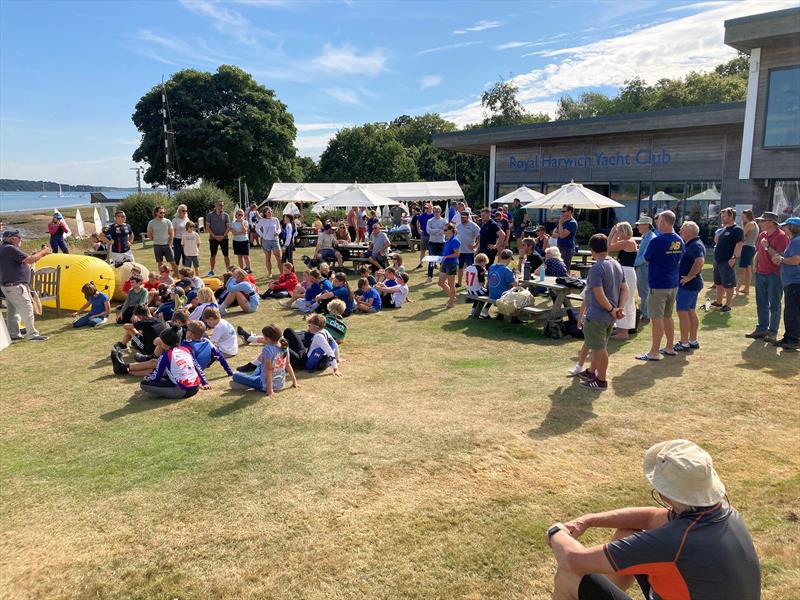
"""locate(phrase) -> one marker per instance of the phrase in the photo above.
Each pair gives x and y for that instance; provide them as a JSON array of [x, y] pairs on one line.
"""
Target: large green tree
[[504, 108], [224, 126], [369, 153]]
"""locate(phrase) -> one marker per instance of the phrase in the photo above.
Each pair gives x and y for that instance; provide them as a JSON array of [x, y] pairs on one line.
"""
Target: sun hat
[[643, 220], [769, 216], [682, 471], [9, 233], [791, 221]]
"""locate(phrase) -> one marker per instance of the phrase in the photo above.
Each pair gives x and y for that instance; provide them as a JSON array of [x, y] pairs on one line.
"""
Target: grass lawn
[[430, 470]]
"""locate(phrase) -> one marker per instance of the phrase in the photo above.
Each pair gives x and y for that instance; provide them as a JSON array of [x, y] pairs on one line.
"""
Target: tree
[[139, 208], [369, 153], [739, 66], [225, 125], [307, 169], [505, 109], [590, 104]]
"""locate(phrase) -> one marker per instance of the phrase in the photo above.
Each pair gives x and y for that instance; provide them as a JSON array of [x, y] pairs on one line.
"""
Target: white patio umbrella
[[576, 195], [525, 194], [355, 195], [709, 194], [299, 195], [291, 209], [662, 196]]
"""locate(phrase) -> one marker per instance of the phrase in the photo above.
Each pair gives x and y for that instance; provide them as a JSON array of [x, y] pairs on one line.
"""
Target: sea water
[[25, 201]]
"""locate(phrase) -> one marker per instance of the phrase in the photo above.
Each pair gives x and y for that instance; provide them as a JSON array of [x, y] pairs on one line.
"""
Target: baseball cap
[[791, 221], [9, 233]]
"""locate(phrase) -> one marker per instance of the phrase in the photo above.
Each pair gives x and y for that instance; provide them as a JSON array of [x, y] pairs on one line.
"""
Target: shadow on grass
[[644, 375], [571, 407], [243, 399], [423, 314], [139, 402], [713, 319], [760, 356]]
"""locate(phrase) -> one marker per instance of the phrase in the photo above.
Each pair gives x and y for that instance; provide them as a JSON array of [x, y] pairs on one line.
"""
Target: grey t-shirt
[[467, 233], [606, 273], [160, 228], [12, 267], [217, 223], [379, 244], [435, 229]]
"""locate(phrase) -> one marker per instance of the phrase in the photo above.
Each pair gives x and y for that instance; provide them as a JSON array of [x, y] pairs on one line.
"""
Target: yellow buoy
[[122, 273], [76, 270], [212, 282]]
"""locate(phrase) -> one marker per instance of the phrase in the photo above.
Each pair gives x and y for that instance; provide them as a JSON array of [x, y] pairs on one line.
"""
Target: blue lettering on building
[[643, 157]]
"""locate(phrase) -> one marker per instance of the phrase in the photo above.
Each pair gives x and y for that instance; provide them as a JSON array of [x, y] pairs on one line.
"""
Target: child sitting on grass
[[273, 365], [177, 374], [204, 350], [319, 285], [98, 304], [314, 349], [137, 296], [241, 292], [126, 287], [142, 332], [341, 290], [284, 285], [204, 299], [195, 281], [368, 300], [334, 321], [394, 289], [223, 335], [365, 271], [397, 263]]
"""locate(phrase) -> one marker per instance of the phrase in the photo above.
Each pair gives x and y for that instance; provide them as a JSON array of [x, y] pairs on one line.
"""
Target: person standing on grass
[[691, 284], [727, 251], [252, 221], [449, 265], [218, 224], [790, 278], [424, 240], [435, 229], [467, 232], [621, 241], [519, 216], [491, 236], [179, 223], [161, 233], [696, 546], [352, 223], [772, 241], [15, 279], [287, 238], [241, 240], [606, 296], [751, 231], [119, 235], [645, 228], [565, 234], [269, 229], [663, 257]]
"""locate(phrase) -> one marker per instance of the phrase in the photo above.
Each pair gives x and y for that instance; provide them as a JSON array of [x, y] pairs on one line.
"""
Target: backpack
[[513, 300]]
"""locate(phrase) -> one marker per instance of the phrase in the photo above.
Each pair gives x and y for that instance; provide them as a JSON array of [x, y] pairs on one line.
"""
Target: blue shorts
[[270, 245], [746, 259], [724, 275], [465, 259], [686, 299]]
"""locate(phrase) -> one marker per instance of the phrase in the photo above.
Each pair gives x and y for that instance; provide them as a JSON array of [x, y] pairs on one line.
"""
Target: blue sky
[[72, 72]]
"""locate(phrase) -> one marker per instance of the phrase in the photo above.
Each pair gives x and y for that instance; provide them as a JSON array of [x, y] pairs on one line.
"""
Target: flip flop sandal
[[646, 358], [666, 352]]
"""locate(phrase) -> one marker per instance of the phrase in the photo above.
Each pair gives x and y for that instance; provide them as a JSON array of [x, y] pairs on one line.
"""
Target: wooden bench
[[144, 240], [47, 283]]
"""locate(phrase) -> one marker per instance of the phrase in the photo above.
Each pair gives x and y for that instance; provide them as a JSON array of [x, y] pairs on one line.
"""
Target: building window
[[627, 194], [782, 122], [668, 195], [702, 205], [786, 198]]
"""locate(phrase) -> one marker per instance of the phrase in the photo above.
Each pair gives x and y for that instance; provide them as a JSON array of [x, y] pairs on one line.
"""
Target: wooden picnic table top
[[352, 246], [549, 283]]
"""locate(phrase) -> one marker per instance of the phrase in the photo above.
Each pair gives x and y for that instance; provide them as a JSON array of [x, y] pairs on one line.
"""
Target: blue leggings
[[88, 321], [57, 244]]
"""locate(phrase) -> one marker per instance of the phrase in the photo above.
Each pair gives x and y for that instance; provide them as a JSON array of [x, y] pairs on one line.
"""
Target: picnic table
[[306, 236], [402, 239], [562, 297]]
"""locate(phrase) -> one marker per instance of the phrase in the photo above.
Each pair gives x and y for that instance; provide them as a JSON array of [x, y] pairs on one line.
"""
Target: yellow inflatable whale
[[76, 270]]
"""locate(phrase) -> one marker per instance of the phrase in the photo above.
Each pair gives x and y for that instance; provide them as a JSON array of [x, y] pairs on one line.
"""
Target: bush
[[200, 200], [585, 230], [139, 209]]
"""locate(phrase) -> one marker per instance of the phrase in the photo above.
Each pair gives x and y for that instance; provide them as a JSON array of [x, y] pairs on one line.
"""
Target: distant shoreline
[[21, 211]]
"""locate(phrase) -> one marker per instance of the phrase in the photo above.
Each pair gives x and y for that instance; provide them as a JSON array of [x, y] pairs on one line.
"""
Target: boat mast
[[166, 132]]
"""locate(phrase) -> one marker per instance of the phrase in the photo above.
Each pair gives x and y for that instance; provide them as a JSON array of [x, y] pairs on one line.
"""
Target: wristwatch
[[552, 531]]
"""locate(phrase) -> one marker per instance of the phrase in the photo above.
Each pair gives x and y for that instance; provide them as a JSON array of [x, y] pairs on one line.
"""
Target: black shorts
[[598, 587], [163, 253], [465, 259], [240, 248], [213, 245], [448, 268]]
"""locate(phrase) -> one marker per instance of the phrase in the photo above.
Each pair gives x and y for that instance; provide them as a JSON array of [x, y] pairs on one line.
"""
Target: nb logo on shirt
[[674, 247]]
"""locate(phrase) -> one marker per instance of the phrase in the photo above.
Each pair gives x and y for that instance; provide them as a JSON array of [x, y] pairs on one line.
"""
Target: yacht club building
[[691, 160]]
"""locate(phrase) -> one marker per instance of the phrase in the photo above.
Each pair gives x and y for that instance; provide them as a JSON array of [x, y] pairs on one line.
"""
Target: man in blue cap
[[15, 278]]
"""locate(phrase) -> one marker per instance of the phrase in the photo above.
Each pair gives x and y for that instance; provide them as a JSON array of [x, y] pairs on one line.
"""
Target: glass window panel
[[786, 198], [668, 195], [627, 194], [644, 198], [782, 121], [702, 206]]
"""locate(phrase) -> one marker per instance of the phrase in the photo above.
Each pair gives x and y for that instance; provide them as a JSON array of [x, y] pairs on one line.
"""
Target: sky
[[72, 72]]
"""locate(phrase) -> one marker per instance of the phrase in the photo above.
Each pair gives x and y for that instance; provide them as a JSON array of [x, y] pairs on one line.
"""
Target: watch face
[[553, 530]]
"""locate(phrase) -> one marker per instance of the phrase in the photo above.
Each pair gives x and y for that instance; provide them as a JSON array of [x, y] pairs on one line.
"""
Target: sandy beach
[[33, 224]]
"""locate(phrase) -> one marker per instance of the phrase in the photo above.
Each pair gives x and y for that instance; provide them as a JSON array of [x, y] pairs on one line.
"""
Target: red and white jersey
[[180, 368], [472, 280]]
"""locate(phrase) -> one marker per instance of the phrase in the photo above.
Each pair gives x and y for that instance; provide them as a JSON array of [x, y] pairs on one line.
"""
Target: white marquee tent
[[414, 191]]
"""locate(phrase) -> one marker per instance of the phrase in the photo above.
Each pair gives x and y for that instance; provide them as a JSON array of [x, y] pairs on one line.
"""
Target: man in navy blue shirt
[[565, 234], [120, 235], [691, 284], [491, 236], [663, 257], [727, 251], [422, 224]]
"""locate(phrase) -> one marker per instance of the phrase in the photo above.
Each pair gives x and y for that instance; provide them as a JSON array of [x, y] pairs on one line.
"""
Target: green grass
[[430, 470]]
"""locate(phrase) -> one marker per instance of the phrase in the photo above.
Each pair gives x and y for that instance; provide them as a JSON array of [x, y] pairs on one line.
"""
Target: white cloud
[[226, 21], [509, 45], [313, 145], [342, 95], [429, 81], [448, 47], [474, 113], [668, 49], [346, 60], [320, 126], [479, 26]]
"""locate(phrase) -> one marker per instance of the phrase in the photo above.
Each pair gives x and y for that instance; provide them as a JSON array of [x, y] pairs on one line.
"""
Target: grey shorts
[[724, 275], [163, 253], [661, 303], [423, 242], [596, 334], [449, 268], [191, 261]]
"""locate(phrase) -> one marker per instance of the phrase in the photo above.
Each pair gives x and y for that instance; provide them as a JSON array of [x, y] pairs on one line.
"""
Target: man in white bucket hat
[[695, 548]]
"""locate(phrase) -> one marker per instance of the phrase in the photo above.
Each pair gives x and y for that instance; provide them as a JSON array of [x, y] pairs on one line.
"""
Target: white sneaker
[[430, 279], [575, 370], [485, 313]]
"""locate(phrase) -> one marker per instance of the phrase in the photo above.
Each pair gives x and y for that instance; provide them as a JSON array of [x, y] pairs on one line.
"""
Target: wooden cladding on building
[[692, 154]]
